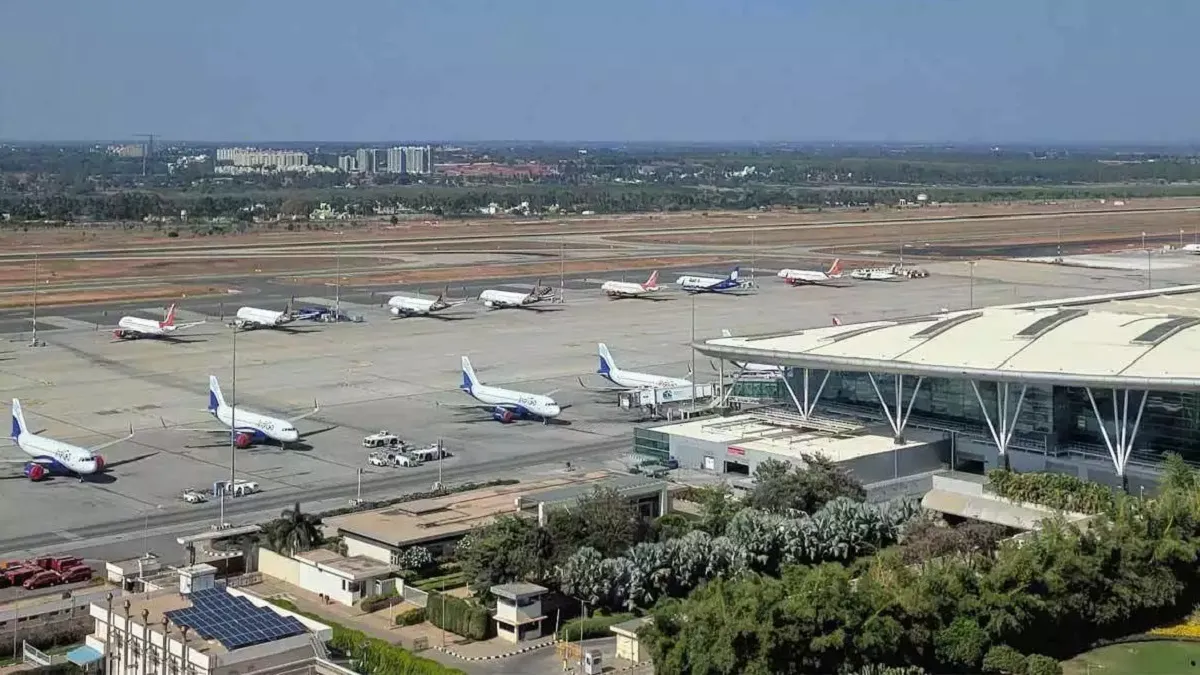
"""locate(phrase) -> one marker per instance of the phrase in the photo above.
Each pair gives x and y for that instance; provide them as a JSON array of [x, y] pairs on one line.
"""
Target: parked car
[[42, 580], [76, 574]]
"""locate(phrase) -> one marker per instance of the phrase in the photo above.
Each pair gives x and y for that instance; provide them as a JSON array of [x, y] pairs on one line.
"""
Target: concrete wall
[[308, 576], [355, 546], [279, 567], [896, 464]]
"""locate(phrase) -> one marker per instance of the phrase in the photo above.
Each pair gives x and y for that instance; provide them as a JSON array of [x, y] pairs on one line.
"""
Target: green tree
[[962, 644], [603, 520], [511, 548], [717, 508], [1004, 660], [293, 531], [780, 486]]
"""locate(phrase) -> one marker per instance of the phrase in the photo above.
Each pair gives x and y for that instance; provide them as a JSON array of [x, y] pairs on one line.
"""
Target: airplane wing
[[98, 448], [581, 383], [316, 409], [476, 406], [205, 430], [191, 324]]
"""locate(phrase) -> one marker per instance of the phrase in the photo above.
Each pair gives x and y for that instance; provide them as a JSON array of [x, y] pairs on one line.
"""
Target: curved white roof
[[1153, 343]]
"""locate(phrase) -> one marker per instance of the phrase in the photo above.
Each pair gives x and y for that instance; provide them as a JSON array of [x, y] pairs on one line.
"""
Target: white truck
[[237, 488], [393, 459], [382, 439], [431, 453]]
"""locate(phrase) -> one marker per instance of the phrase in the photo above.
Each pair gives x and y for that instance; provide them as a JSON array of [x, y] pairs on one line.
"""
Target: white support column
[[1120, 444], [898, 417], [808, 404], [1002, 434]]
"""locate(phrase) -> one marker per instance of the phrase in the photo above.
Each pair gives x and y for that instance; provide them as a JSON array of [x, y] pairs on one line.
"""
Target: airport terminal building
[[1098, 386]]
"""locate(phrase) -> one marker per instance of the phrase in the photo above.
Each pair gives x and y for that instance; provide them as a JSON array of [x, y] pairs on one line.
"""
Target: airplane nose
[[292, 436], [554, 411]]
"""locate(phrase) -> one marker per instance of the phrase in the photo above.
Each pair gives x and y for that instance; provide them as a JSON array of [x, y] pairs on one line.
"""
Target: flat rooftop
[[1142, 339], [426, 520], [745, 432], [623, 485], [354, 568]]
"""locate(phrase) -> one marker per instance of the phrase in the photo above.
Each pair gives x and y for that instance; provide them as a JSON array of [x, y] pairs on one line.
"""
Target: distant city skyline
[[461, 71]]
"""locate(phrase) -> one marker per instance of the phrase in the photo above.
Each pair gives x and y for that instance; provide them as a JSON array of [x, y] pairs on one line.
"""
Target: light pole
[[1143, 240], [337, 285], [1149, 273], [33, 341], [1181, 237], [233, 419], [146, 532], [692, 374], [971, 284]]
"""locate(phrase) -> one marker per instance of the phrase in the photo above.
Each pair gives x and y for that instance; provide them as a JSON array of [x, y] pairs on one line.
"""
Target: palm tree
[[293, 532]]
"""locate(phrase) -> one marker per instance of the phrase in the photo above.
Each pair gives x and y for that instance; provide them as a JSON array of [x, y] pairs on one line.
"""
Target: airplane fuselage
[[521, 403], [503, 299], [633, 380], [56, 455], [405, 306], [252, 317], [256, 426], [625, 289]]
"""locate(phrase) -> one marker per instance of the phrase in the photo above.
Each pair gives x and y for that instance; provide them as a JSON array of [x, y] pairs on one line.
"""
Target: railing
[[415, 595]]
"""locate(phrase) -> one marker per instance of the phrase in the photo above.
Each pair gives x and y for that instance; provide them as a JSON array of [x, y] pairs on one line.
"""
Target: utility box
[[593, 662]]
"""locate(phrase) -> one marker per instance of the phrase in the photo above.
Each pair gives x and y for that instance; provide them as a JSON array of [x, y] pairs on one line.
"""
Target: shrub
[[411, 618], [374, 603], [1004, 659], [1053, 490], [592, 627], [415, 558], [459, 617], [1039, 664]]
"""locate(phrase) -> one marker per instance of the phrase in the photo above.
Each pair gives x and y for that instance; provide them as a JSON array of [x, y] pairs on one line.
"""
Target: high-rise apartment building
[[280, 159], [416, 160], [348, 163]]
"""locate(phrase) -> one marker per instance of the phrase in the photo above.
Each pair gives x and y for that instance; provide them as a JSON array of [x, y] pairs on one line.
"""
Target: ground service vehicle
[[429, 454], [194, 497], [382, 439], [393, 459], [237, 488]]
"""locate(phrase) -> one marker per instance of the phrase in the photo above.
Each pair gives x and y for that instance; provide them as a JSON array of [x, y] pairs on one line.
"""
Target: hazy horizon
[[1071, 72]]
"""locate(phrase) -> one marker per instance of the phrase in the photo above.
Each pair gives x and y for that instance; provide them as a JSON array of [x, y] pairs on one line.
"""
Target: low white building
[[323, 572], [202, 629]]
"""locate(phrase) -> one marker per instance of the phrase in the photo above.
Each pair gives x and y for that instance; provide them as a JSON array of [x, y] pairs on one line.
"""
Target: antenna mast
[[147, 149]]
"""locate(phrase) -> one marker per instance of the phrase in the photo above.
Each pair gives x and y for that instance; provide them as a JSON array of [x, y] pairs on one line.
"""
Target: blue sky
[[638, 70]]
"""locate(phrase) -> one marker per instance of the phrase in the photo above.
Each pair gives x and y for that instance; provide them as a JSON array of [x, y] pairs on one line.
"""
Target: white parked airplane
[[403, 306], [699, 284], [628, 379], [755, 368], [805, 277], [1191, 248], [628, 289], [506, 405], [134, 327], [248, 318], [493, 299], [51, 456], [248, 427], [875, 274]]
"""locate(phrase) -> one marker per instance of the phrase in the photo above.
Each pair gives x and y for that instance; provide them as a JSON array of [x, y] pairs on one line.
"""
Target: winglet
[[170, 320], [734, 274], [18, 420], [725, 333]]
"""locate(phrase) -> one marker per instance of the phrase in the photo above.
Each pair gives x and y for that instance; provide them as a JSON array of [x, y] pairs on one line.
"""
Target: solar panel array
[[233, 621]]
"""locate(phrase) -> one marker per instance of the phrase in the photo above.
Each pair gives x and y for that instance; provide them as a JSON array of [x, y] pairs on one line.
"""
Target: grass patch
[[446, 581], [1162, 657]]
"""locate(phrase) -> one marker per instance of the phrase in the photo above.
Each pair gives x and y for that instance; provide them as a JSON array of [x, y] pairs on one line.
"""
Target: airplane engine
[[395, 311], [503, 415], [242, 440], [119, 334], [488, 303], [99, 463], [35, 472]]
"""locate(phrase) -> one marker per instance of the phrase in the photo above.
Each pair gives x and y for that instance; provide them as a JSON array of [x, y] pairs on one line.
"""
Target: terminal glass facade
[[1055, 416], [651, 443]]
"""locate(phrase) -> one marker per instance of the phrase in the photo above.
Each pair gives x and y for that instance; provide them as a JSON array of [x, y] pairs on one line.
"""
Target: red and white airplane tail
[[652, 282], [170, 320], [837, 321], [836, 268]]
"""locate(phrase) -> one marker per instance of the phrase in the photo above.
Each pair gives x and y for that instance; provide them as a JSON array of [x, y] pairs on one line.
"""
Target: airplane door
[[710, 464]]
